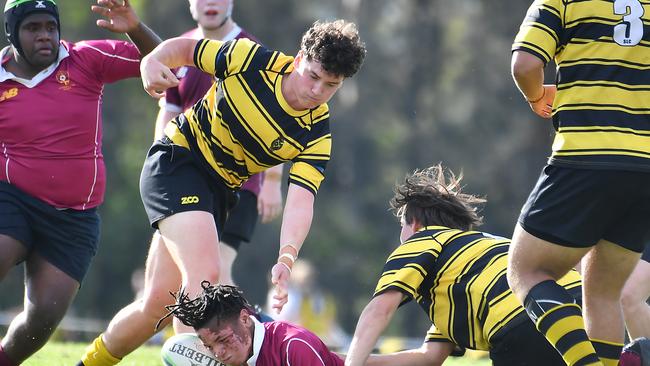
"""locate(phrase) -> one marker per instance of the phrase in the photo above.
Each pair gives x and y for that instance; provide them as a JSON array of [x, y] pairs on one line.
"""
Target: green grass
[[67, 354]]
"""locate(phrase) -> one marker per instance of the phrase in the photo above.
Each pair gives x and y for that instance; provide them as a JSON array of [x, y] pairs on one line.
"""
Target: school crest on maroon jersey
[[63, 78]]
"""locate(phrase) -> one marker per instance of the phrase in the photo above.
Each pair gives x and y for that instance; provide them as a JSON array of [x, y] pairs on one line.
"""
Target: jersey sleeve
[[434, 335], [110, 60], [407, 268], [308, 169], [223, 59], [541, 32]]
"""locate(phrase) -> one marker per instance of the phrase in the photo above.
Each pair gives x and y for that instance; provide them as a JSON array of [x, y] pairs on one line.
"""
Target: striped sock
[[97, 354], [559, 318], [608, 352]]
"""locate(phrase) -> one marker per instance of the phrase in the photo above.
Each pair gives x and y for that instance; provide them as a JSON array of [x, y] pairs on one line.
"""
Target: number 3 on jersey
[[630, 31]]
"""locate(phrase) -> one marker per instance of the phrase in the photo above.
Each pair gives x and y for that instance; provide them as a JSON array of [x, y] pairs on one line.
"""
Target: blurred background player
[[264, 108], [592, 199], [229, 327], [310, 306], [262, 192], [457, 276], [52, 177]]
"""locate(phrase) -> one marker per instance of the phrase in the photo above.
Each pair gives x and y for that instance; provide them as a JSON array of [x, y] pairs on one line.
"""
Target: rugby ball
[[186, 349]]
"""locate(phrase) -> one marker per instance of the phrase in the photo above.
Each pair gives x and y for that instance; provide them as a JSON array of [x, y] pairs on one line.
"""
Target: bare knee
[[533, 260], [154, 301], [11, 252], [606, 271], [194, 276], [632, 297], [42, 319]]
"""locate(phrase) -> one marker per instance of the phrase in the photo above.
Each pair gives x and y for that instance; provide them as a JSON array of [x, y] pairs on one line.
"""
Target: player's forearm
[[175, 52], [144, 38], [528, 73], [429, 354], [372, 322], [364, 339], [412, 357], [296, 219], [273, 174]]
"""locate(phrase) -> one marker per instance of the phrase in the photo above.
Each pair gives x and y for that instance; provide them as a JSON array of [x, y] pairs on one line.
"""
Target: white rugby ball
[[186, 349]]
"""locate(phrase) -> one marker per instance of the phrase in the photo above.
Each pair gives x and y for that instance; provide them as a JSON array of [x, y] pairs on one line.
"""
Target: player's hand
[[280, 279], [544, 106], [156, 77], [269, 201], [119, 15]]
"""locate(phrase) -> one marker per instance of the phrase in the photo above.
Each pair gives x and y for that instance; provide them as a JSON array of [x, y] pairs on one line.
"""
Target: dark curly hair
[[335, 45], [432, 196], [221, 301]]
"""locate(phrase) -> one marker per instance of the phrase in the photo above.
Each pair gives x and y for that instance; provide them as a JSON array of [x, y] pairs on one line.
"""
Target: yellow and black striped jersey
[[459, 279], [244, 125], [602, 52]]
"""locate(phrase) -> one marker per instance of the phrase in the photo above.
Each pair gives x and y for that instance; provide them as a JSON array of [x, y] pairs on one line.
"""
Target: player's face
[[230, 341], [314, 85], [210, 14], [39, 37]]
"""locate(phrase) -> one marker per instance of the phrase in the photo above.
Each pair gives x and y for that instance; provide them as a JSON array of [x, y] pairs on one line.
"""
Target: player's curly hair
[[221, 301], [433, 196], [335, 45]]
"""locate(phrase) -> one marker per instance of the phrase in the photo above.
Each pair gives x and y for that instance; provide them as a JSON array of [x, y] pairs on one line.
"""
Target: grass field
[[67, 354]]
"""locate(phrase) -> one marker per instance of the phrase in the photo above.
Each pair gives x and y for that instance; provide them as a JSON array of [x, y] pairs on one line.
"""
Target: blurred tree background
[[435, 87]]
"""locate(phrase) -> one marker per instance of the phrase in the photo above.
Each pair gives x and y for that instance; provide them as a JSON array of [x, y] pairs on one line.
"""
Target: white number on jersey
[[630, 31]]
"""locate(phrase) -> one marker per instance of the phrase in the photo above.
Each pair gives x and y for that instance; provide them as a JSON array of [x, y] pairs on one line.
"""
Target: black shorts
[[241, 220], [171, 182], [523, 345], [578, 207], [67, 239]]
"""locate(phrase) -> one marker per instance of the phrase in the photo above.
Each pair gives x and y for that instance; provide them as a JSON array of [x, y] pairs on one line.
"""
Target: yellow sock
[[608, 352], [98, 355]]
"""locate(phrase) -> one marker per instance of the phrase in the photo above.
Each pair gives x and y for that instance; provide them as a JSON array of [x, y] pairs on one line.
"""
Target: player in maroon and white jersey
[[51, 166], [227, 325]]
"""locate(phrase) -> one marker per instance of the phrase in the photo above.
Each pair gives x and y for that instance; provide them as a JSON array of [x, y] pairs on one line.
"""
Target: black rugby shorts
[[171, 182], [67, 239], [578, 207]]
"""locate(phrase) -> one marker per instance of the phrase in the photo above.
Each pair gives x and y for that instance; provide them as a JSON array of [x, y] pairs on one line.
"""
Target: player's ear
[[416, 225], [297, 59], [244, 316]]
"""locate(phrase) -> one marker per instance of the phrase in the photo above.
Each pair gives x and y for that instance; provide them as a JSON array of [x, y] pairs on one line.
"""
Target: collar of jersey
[[196, 34], [30, 83], [258, 339], [283, 102]]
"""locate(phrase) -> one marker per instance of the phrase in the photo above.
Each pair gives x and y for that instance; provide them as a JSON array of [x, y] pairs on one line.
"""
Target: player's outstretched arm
[[120, 17], [430, 354], [296, 222], [372, 322]]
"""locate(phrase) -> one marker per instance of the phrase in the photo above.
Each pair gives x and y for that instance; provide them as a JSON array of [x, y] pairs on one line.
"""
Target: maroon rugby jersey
[[284, 344], [51, 125], [194, 83]]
